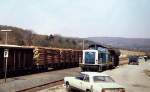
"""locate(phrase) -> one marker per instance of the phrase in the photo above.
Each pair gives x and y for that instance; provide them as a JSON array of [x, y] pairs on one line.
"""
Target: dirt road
[[135, 78]]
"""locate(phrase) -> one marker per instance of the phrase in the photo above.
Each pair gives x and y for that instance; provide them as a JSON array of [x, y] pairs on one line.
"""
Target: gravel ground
[[28, 81], [59, 88], [135, 78]]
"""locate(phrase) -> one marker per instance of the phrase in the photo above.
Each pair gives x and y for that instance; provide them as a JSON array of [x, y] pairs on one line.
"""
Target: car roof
[[94, 74]]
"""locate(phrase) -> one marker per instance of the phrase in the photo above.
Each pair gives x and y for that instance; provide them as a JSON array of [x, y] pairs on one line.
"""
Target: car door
[[77, 83], [85, 84]]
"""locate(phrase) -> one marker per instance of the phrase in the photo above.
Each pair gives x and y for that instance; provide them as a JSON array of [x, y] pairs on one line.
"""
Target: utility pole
[[83, 44]]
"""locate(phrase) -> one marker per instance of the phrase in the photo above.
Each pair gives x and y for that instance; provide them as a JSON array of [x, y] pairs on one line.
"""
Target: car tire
[[68, 88], [88, 90]]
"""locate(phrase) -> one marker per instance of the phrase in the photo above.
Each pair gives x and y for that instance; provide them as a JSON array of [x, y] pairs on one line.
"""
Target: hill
[[26, 37], [142, 44]]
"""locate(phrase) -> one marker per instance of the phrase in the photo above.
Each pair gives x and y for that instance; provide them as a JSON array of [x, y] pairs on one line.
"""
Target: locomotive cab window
[[90, 57]]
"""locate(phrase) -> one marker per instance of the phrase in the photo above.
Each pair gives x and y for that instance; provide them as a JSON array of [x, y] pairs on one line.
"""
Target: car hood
[[108, 85]]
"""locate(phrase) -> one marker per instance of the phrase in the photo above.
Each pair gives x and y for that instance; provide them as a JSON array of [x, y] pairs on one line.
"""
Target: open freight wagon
[[19, 58], [56, 58]]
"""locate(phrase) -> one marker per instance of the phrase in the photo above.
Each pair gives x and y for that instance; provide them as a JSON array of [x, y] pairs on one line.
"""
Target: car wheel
[[88, 90], [68, 88]]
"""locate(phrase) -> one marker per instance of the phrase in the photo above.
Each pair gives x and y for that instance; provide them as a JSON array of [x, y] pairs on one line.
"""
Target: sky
[[79, 18]]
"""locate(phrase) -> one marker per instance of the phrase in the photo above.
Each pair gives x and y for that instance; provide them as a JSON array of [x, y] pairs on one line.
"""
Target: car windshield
[[103, 79]]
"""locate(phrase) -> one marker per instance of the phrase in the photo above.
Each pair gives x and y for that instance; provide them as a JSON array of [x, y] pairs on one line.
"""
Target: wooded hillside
[[20, 36]]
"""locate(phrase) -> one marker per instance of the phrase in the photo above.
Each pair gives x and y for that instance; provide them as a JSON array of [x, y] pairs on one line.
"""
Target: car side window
[[80, 77], [102, 79], [86, 78], [99, 78]]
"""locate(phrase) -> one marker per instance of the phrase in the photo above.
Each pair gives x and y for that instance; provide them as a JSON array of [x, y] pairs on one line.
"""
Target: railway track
[[43, 86]]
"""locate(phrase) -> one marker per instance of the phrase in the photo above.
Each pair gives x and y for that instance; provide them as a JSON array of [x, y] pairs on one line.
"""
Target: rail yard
[[48, 66], [75, 46]]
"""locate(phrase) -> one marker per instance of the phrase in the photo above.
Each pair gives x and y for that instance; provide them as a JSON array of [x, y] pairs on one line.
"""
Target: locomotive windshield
[[90, 57]]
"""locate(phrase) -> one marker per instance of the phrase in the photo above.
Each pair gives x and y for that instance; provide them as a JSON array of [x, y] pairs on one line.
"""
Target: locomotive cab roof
[[96, 46], [111, 50]]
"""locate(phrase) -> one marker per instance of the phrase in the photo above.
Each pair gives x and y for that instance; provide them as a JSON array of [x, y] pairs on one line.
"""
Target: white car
[[93, 82]]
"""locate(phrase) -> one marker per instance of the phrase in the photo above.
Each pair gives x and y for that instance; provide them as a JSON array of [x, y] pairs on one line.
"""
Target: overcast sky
[[79, 18]]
